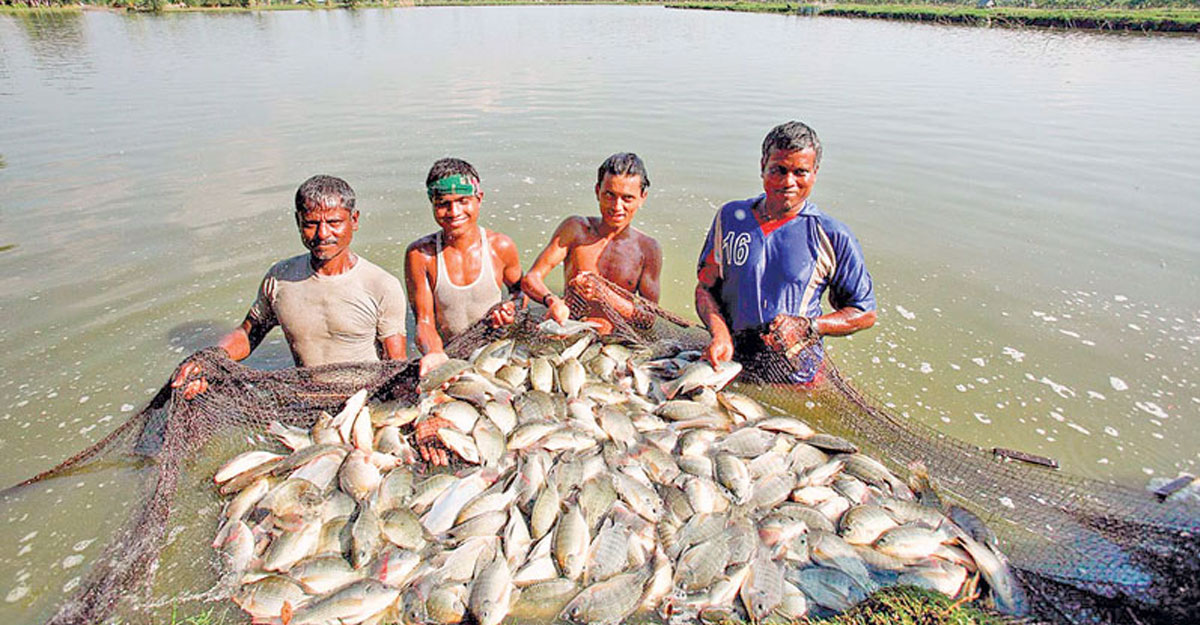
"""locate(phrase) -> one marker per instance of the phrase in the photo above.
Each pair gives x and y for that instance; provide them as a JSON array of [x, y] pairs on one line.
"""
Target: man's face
[[788, 176], [456, 213], [327, 230], [620, 197]]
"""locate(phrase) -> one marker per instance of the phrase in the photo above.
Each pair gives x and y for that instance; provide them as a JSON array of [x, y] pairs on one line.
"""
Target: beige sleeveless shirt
[[457, 308]]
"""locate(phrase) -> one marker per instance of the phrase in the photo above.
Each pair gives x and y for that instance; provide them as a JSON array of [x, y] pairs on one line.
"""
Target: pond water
[[1027, 201]]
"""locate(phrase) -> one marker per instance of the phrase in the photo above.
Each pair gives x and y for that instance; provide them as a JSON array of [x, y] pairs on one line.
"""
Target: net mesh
[[1087, 551]]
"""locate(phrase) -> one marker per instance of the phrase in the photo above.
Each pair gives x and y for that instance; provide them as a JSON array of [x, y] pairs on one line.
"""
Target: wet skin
[[607, 246], [458, 217]]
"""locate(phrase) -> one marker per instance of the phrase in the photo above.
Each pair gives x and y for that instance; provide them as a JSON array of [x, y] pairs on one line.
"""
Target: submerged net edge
[[237, 397]]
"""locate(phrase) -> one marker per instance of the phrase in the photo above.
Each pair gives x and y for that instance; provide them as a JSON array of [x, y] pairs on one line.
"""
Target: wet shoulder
[[833, 228], [375, 276], [499, 241], [646, 243], [291, 269], [426, 245], [575, 227]]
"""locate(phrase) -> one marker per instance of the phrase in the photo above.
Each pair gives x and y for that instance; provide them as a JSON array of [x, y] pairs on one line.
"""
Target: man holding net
[[333, 305], [766, 262], [605, 247], [456, 276]]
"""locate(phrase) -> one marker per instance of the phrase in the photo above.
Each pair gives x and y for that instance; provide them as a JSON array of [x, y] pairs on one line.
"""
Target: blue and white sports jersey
[[785, 269]]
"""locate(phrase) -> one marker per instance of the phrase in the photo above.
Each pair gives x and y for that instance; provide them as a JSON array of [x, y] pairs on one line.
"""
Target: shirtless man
[[454, 276], [606, 245], [333, 305]]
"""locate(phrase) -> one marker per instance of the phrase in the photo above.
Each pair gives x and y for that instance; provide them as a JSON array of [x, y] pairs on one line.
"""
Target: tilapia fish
[[589, 482]]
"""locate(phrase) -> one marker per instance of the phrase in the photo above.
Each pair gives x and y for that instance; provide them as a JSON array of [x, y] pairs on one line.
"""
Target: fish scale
[[637, 496]]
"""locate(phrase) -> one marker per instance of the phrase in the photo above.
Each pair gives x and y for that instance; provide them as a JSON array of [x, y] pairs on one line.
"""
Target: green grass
[[1164, 19], [907, 605]]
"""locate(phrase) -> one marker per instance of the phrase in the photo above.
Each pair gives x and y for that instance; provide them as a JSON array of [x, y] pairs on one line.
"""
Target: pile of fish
[[590, 482]]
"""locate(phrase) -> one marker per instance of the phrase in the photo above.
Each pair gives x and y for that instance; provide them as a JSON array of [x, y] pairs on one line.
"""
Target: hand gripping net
[[1086, 551]]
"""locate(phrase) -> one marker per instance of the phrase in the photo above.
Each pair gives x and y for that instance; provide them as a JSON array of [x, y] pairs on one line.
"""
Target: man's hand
[[559, 311], [432, 361], [787, 332], [719, 350], [428, 444], [190, 377], [504, 315], [589, 288]]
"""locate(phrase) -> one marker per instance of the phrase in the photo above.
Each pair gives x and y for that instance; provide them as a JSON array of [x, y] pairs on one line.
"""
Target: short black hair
[[449, 167], [322, 190], [623, 164], [791, 136]]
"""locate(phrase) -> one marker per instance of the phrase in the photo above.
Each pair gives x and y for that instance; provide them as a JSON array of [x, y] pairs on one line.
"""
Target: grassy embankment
[[1135, 15], [1182, 17]]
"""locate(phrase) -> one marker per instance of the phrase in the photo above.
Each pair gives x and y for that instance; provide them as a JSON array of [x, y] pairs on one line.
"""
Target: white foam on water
[[1111, 431], [16, 594], [28, 537], [1057, 417], [72, 561], [1069, 333], [1095, 395], [982, 418], [1134, 326], [926, 368], [1079, 428], [1016, 355], [126, 407], [979, 361], [960, 388], [1063, 390], [71, 584], [904, 312], [1147, 470], [1120, 298], [1152, 408], [1007, 503], [1117, 383], [1102, 461]]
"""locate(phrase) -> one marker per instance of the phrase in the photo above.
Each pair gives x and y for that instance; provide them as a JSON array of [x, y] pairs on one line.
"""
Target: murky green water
[[1027, 202]]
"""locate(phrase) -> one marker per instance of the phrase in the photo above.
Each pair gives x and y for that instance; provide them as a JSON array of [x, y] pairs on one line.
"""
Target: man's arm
[[238, 344], [534, 284], [720, 349], [505, 250], [844, 321], [420, 294], [395, 347]]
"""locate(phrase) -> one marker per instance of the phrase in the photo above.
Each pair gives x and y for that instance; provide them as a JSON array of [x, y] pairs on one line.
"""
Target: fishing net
[[1087, 551]]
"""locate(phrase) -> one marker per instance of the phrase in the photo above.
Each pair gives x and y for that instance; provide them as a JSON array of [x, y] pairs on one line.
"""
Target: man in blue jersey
[[768, 260]]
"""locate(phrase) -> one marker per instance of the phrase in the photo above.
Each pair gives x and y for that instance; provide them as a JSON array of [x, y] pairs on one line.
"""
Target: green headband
[[456, 184]]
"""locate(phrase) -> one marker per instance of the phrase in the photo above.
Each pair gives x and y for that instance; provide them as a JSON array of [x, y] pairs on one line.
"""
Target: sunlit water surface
[[1026, 201]]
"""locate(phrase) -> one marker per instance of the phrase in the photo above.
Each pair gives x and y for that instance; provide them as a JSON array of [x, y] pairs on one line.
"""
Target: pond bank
[[1161, 19], [1178, 20]]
